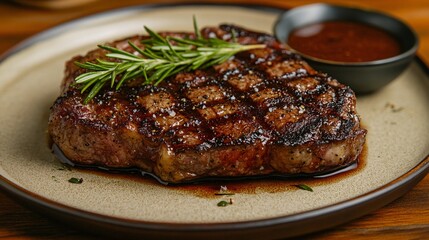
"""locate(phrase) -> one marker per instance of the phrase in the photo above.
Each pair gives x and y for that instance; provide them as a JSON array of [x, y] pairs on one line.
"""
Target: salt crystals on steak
[[264, 111]]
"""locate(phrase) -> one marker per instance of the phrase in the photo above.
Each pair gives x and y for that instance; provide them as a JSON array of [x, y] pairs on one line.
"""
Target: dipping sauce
[[344, 41]]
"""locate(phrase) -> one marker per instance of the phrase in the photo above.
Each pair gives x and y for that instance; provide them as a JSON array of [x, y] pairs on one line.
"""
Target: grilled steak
[[264, 111]]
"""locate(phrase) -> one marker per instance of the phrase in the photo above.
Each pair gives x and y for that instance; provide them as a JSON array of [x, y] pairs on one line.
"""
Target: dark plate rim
[[278, 227]]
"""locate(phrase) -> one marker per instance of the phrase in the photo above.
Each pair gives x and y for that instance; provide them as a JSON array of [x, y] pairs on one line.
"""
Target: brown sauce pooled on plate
[[209, 189], [344, 41], [254, 186]]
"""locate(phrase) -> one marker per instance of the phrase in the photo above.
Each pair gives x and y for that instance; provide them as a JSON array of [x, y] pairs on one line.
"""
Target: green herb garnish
[[160, 58], [54, 178], [304, 187], [223, 204], [76, 180]]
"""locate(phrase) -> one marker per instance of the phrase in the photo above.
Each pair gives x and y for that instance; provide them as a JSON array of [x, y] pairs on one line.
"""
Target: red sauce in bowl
[[344, 41]]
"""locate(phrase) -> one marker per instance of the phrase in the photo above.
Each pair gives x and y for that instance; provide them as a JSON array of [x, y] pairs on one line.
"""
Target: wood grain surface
[[405, 218]]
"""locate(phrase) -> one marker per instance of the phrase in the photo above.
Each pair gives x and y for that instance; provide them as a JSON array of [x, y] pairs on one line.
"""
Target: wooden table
[[405, 218]]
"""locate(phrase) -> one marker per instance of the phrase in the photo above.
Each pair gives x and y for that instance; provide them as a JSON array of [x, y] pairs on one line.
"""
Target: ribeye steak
[[264, 111]]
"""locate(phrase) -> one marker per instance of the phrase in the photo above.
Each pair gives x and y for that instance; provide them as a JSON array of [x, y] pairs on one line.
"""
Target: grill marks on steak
[[264, 111]]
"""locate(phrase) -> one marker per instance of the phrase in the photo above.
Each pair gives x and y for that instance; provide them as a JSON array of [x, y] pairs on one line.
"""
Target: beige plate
[[397, 145]]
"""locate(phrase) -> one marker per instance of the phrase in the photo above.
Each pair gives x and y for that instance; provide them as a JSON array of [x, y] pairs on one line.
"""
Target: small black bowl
[[362, 77]]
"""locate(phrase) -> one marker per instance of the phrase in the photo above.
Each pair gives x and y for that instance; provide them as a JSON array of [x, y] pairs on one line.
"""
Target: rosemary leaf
[[187, 43], [87, 85], [113, 78], [94, 91], [139, 50], [123, 57], [107, 64], [196, 31], [115, 50], [154, 36]]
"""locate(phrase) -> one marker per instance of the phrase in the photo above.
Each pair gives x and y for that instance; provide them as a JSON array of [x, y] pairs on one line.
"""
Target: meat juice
[[207, 188], [272, 185]]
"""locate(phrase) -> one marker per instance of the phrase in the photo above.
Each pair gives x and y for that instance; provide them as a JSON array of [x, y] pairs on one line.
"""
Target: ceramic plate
[[395, 157]]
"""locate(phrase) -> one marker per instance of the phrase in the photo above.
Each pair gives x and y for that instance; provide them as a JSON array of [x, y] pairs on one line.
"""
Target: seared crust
[[263, 111]]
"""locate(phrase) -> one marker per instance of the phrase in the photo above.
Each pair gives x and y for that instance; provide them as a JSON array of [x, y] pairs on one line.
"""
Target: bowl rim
[[408, 53]]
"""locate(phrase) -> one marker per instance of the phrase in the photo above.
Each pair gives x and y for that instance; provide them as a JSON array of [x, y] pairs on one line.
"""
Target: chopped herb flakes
[[225, 203], [76, 180], [393, 108], [304, 187], [64, 168], [222, 204]]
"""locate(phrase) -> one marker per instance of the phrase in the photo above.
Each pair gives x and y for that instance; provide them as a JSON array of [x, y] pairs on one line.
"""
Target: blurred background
[[22, 18], [405, 218]]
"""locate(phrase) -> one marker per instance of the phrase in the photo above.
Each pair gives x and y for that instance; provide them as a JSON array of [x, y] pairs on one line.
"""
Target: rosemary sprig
[[160, 58]]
